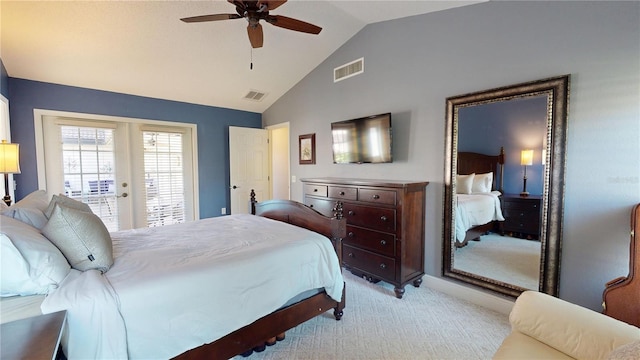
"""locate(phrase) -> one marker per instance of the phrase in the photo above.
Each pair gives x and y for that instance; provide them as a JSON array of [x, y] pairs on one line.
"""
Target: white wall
[[412, 65]]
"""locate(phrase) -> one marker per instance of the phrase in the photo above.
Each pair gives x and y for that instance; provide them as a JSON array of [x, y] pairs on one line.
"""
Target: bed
[[181, 299], [478, 188]]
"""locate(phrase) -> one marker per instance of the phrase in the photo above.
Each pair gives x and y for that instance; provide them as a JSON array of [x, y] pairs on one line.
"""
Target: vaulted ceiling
[[142, 47]]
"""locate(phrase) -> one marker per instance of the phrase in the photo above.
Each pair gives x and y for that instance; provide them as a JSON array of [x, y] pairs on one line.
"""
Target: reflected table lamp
[[526, 159], [9, 164]]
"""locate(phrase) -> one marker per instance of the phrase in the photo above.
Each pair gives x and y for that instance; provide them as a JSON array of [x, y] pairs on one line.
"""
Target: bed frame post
[[501, 162], [252, 205], [339, 229]]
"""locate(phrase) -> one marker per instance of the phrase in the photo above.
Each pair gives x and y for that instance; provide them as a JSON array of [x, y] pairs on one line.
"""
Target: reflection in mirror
[[503, 186]]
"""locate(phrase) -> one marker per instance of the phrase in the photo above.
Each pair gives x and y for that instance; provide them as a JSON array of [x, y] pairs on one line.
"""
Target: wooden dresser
[[385, 226], [522, 215]]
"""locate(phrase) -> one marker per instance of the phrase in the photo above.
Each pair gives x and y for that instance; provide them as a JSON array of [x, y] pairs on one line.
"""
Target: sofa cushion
[[520, 346], [574, 330], [629, 351]]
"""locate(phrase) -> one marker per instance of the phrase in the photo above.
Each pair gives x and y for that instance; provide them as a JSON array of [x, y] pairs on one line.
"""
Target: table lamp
[[9, 164], [526, 159]]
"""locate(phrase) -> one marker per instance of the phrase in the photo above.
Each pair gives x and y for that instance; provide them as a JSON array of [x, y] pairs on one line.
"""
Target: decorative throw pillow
[[482, 183], [65, 201], [30, 209], [464, 183], [30, 263], [82, 238]]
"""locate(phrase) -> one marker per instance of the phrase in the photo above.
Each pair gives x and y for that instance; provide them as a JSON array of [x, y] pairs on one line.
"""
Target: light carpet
[[424, 324], [503, 258]]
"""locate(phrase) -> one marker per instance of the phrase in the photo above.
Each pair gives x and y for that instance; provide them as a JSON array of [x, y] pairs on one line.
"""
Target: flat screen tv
[[363, 140]]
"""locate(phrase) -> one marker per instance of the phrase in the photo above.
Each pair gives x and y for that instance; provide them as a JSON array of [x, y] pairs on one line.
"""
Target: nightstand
[[522, 215], [36, 337]]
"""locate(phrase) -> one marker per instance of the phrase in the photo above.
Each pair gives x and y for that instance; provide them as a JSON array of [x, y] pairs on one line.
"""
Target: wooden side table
[[36, 337], [522, 215]]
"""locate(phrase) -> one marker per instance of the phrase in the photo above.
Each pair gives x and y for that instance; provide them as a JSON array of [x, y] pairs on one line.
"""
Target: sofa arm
[[574, 330]]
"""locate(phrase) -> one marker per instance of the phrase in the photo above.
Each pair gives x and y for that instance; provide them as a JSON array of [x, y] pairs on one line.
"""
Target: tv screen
[[363, 140]]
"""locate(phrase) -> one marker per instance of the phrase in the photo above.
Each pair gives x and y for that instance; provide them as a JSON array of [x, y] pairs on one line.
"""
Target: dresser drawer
[[377, 196], [532, 207], [343, 193], [522, 223], [324, 207], [315, 190], [378, 265], [381, 219], [381, 243]]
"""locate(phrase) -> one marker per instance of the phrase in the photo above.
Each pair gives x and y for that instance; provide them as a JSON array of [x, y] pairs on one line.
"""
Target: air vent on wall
[[348, 70], [255, 95]]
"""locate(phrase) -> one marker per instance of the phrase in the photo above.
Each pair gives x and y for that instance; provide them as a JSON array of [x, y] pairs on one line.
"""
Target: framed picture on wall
[[307, 149]]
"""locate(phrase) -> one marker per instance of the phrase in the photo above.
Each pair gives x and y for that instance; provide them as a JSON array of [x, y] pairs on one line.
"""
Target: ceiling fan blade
[[271, 4], [292, 24], [255, 35], [213, 17], [239, 4]]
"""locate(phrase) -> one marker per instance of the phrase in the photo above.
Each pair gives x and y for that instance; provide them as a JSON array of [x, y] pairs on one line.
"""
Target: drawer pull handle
[[383, 266], [351, 255], [351, 234], [315, 190], [351, 212], [383, 242], [383, 218], [341, 193], [376, 197]]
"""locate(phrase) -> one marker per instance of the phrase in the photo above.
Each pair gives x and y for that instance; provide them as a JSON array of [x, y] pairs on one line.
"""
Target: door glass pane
[[88, 166], [164, 177]]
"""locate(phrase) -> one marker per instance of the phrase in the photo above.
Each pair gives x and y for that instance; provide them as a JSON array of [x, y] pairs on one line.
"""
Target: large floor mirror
[[504, 186]]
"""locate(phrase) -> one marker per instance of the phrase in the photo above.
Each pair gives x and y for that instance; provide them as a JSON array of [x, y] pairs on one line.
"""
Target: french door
[[131, 174]]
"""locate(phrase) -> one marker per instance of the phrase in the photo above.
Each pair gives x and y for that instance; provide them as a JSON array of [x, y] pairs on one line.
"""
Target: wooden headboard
[[470, 162]]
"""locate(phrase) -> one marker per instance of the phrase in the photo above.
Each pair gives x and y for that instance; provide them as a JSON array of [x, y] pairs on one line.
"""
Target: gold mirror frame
[[557, 91]]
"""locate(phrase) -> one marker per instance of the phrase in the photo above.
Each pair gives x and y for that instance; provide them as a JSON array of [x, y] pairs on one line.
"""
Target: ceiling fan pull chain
[[251, 66]]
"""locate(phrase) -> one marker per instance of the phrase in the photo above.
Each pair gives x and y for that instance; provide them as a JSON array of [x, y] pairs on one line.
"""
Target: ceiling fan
[[254, 11]]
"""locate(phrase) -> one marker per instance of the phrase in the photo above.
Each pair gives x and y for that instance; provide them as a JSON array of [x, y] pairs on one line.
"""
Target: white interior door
[[249, 166]]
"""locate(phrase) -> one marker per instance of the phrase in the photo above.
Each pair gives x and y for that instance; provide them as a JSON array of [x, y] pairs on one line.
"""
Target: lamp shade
[[9, 158], [526, 157]]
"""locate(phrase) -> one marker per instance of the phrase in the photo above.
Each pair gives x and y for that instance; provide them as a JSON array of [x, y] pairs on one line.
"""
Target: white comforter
[[177, 287], [476, 209]]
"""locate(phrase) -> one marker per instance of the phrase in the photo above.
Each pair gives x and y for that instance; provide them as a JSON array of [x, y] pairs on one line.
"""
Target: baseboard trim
[[477, 297]]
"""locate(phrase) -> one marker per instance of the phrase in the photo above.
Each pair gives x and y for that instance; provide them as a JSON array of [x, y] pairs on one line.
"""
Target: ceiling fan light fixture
[[254, 11]]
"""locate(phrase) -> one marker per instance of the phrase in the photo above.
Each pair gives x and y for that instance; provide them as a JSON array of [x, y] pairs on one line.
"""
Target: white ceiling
[[142, 48]]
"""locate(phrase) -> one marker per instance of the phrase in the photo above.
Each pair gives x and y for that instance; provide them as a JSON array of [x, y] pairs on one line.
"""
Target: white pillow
[[30, 209], [482, 183], [464, 183], [14, 276], [66, 201], [82, 238], [30, 263]]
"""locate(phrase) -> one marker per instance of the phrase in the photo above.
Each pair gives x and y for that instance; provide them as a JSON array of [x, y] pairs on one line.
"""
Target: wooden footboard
[[475, 232], [256, 334]]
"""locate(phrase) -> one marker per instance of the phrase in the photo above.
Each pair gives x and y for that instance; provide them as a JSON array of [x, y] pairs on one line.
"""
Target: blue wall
[[516, 125], [213, 134]]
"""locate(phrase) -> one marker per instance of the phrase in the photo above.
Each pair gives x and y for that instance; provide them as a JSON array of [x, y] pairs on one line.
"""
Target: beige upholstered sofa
[[545, 327]]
